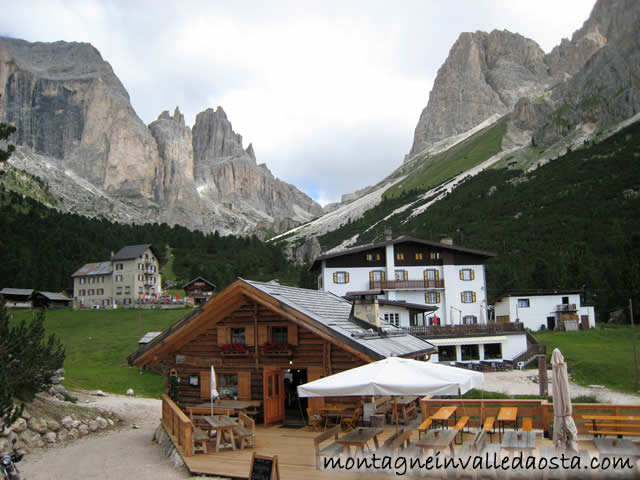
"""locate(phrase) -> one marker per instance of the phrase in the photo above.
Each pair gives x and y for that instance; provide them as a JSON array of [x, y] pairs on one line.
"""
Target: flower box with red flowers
[[277, 349], [237, 349]]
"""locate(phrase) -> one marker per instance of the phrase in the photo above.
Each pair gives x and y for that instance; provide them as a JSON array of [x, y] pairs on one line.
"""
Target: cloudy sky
[[329, 92]]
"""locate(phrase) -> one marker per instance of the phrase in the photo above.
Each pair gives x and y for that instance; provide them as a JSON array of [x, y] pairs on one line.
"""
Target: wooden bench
[[527, 424], [331, 450], [199, 439], [479, 446], [424, 426], [245, 432], [619, 425], [461, 425], [488, 426]]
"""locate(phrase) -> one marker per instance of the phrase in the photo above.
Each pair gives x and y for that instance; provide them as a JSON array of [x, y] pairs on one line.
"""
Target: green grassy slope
[[98, 342]]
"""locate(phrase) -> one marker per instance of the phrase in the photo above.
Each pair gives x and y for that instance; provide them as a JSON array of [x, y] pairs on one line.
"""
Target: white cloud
[[329, 92]]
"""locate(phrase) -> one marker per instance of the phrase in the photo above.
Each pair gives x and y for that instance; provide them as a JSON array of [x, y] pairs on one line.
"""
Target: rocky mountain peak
[[214, 138]]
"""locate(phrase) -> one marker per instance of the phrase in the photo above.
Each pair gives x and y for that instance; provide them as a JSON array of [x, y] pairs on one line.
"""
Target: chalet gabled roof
[[403, 239], [54, 296], [100, 268], [21, 292], [322, 312], [202, 279], [133, 251]]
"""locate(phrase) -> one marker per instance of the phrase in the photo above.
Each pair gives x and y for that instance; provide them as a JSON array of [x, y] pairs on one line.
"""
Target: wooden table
[[359, 437], [515, 441], [507, 415], [405, 405], [438, 440], [222, 424], [332, 412], [229, 407], [443, 415]]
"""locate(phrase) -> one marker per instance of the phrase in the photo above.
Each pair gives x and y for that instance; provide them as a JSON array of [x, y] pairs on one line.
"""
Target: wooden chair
[[488, 426], [349, 423], [315, 420]]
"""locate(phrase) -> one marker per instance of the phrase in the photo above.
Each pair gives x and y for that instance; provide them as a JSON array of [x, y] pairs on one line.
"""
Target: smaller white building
[[545, 309]]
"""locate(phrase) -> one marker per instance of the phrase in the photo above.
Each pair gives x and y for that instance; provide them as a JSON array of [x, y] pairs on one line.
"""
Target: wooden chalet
[[198, 290], [255, 333]]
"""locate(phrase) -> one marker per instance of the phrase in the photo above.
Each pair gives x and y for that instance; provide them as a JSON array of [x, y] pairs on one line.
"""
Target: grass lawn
[[600, 356], [97, 343]]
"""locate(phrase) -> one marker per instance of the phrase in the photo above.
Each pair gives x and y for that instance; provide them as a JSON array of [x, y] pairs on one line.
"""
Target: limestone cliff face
[[67, 103], [484, 74], [77, 128]]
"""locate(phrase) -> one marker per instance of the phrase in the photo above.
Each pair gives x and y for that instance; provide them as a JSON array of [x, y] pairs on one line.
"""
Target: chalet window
[[431, 275], [238, 335], [140, 277], [447, 353], [470, 352], [119, 291], [523, 303], [119, 266], [82, 280], [81, 293], [399, 256], [468, 296], [419, 256], [434, 256], [393, 318], [467, 274], [493, 351], [432, 297], [376, 275], [118, 278], [127, 290], [101, 278], [100, 291], [369, 257], [469, 320], [139, 290], [228, 386], [341, 277], [402, 275], [279, 335]]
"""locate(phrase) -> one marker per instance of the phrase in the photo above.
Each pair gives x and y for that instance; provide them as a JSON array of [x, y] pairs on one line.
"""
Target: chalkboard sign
[[264, 468]]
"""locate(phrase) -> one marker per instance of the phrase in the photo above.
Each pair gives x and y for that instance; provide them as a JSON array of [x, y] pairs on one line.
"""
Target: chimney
[[446, 239], [388, 235], [366, 308]]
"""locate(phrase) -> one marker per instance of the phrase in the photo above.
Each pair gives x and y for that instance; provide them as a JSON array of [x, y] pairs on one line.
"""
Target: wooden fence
[[541, 411], [177, 425]]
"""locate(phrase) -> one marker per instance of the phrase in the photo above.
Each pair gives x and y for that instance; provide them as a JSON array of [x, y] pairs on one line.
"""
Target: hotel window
[[119, 266], [431, 276], [393, 318], [523, 303], [81, 280], [376, 275], [493, 351], [434, 256], [92, 292], [372, 256], [470, 352], [81, 293], [279, 334], [467, 274], [447, 353], [469, 320], [119, 291], [340, 277], [419, 256], [468, 297], [402, 275], [399, 256], [100, 291], [237, 335], [432, 297]]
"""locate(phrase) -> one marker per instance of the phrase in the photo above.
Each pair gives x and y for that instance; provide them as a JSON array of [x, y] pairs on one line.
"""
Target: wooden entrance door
[[584, 320], [273, 395]]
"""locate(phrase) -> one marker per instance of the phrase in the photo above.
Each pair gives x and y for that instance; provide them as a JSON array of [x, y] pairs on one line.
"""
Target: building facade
[[545, 310], [132, 275], [448, 278]]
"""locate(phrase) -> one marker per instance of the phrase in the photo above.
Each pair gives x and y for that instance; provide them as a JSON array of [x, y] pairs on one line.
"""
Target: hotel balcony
[[566, 307], [405, 284]]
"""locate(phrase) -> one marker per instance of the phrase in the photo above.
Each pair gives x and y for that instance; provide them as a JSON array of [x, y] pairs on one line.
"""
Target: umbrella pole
[[395, 411]]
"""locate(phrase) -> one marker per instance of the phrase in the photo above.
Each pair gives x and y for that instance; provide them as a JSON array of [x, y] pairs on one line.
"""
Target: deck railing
[[470, 329], [177, 425], [402, 284], [541, 411]]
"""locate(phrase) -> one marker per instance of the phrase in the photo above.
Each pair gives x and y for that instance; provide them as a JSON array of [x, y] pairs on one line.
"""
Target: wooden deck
[[296, 457]]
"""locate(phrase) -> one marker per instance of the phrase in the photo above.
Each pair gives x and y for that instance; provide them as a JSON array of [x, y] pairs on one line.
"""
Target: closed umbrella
[[214, 391], [394, 376], [564, 428]]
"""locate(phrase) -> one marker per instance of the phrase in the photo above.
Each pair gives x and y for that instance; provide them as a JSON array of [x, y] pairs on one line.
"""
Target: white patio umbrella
[[394, 376], [564, 427], [214, 391]]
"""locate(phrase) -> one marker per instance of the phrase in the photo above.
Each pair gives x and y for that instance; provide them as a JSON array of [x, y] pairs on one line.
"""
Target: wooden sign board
[[264, 467]]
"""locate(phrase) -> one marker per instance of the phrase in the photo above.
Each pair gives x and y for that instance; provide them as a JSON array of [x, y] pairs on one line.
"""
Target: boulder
[[53, 425], [26, 415], [5, 445], [67, 422], [130, 392], [102, 423], [50, 437], [64, 435], [31, 439], [76, 424], [83, 430], [93, 425], [38, 425], [74, 433], [100, 393], [19, 426]]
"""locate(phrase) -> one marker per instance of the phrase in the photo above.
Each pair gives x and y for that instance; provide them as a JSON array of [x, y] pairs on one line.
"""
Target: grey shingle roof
[[335, 313], [132, 251], [100, 268], [54, 296], [16, 291]]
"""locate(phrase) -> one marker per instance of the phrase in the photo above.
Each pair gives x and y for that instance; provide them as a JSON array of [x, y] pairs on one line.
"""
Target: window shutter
[[437, 275], [473, 274], [437, 297], [335, 277], [462, 297], [222, 336], [346, 277], [371, 276], [406, 275], [244, 385], [263, 334], [293, 334], [474, 296], [205, 384], [382, 274], [461, 274], [249, 336]]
